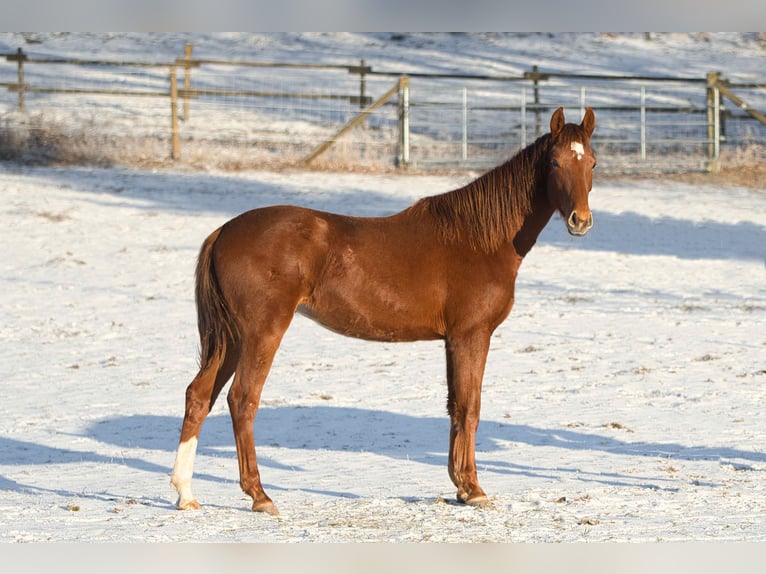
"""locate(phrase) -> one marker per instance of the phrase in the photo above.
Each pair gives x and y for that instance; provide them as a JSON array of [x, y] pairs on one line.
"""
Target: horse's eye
[[594, 165], [555, 163]]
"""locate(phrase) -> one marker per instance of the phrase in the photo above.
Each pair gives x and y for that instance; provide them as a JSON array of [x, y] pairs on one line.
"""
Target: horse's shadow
[[399, 436], [636, 234], [381, 432], [395, 435]]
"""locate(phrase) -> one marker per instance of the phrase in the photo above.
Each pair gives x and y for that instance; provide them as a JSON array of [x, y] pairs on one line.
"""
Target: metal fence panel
[[249, 114]]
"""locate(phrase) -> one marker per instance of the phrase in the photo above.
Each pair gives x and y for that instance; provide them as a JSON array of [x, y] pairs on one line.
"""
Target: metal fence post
[[175, 152], [464, 147], [712, 125], [643, 123], [536, 93], [403, 155]]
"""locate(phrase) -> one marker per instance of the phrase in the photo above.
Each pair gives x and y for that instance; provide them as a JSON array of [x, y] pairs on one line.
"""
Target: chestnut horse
[[444, 268]]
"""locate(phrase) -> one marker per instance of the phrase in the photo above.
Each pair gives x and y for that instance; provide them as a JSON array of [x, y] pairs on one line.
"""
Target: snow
[[675, 54], [253, 131], [623, 398]]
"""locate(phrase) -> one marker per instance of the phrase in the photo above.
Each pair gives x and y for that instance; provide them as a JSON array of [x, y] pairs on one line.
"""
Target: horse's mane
[[489, 211]]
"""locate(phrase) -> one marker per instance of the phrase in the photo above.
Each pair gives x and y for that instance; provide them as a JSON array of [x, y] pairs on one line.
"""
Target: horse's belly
[[372, 325]]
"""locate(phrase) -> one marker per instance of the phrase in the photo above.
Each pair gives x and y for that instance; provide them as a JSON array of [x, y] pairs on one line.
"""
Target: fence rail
[[431, 120]]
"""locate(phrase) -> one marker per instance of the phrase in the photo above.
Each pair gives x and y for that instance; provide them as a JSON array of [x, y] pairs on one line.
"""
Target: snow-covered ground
[[623, 400]]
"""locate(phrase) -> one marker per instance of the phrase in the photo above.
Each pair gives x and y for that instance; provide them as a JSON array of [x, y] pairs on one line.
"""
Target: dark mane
[[488, 211]]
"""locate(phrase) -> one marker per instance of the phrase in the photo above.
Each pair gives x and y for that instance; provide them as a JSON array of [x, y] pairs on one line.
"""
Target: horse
[[442, 269]]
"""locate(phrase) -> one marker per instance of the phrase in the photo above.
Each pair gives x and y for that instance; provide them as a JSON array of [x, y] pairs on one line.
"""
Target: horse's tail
[[217, 328]]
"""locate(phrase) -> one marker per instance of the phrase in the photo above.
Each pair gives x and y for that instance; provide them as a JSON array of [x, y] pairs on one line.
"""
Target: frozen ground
[[623, 400]]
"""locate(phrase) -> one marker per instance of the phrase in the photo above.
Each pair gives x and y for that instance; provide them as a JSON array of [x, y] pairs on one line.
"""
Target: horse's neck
[[533, 223], [537, 217]]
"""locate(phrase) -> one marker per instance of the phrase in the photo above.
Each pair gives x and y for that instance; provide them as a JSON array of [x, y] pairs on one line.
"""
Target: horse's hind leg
[[201, 395], [260, 345]]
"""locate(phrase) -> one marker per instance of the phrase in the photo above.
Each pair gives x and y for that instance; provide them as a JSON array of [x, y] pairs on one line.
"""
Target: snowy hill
[[246, 131], [738, 55]]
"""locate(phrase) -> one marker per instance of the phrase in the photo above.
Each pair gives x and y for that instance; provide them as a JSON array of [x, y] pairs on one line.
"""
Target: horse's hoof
[[480, 502], [187, 504], [266, 506]]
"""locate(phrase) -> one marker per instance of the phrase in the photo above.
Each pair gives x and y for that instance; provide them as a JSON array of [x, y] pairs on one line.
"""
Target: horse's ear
[[588, 122], [557, 122]]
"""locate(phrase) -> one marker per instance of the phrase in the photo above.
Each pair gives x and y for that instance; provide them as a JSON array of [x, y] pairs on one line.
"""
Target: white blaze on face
[[578, 148]]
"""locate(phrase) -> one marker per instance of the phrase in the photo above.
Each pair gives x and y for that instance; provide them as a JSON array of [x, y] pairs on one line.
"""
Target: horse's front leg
[[244, 398], [466, 357]]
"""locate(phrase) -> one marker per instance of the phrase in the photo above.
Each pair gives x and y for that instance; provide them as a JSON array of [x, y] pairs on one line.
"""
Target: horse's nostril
[[578, 225], [577, 222]]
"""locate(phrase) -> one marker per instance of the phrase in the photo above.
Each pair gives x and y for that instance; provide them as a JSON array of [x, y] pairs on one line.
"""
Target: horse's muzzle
[[578, 225]]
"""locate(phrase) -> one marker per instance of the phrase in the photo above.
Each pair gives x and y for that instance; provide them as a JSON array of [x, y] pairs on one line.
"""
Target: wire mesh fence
[[654, 125], [255, 114]]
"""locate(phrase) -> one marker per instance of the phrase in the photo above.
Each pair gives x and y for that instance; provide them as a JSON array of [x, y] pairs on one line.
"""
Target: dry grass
[[40, 139], [751, 176]]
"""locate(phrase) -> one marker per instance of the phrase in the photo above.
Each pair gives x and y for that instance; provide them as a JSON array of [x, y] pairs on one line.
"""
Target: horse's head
[[570, 170]]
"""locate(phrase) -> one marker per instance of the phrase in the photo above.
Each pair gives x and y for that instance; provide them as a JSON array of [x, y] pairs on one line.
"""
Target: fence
[[252, 114]]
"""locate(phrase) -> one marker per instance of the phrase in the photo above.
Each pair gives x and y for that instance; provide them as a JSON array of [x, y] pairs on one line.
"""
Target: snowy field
[[623, 399]]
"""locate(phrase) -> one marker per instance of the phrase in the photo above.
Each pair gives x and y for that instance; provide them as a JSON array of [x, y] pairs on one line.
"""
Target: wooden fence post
[[187, 80], [362, 88], [362, 85], [20, 57], [175, 152], [536, 77], [362, 69]]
